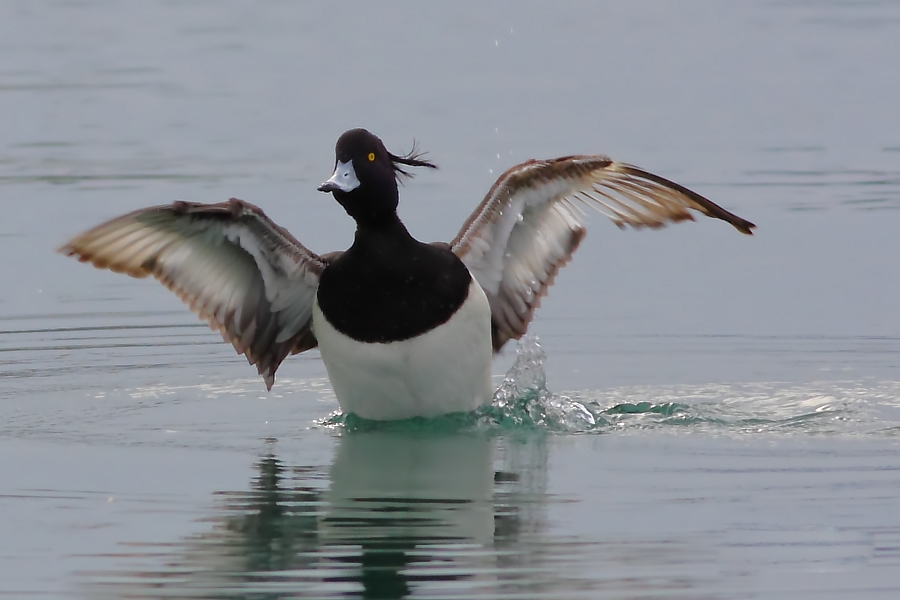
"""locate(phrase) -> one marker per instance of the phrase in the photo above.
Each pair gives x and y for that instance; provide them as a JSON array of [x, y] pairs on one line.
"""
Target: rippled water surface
[[701, 414]]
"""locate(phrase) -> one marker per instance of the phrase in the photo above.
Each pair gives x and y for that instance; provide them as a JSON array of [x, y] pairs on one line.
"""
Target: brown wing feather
[[248, 277], [530, 223]]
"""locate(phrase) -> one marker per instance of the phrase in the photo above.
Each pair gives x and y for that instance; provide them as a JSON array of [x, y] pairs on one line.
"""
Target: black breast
[[392, 292]]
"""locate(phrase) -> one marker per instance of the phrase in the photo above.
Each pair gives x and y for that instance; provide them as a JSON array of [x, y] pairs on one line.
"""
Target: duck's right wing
[[229, 262]]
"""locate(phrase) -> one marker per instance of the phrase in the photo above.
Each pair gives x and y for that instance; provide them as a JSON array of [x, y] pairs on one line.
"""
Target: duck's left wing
[[248, 277], [530, 223]]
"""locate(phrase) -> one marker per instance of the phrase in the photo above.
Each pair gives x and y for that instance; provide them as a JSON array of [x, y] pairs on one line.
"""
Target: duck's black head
[[366, 175]]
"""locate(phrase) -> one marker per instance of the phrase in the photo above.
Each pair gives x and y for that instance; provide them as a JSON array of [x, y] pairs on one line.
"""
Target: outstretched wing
[[530, 223], [229, 262]]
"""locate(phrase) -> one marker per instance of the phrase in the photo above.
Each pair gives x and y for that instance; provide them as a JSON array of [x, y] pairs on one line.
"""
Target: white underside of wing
[[542, 243], [212, 278], [515, 249], [530, 223], [442, 371], [490, 251], [228, 262], [280, 276]]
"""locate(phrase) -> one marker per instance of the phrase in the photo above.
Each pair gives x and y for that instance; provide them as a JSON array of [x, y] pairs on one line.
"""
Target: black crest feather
[[413, 158]]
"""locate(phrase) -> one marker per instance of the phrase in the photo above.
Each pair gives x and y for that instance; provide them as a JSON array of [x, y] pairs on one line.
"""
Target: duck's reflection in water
[[403, 500], [393, 513]]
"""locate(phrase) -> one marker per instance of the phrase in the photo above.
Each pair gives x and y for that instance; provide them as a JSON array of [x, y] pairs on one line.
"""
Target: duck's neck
[[387, 235]]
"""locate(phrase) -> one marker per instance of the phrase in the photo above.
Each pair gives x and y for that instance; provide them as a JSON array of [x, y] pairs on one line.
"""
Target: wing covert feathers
[[531, 221], [248, 277]]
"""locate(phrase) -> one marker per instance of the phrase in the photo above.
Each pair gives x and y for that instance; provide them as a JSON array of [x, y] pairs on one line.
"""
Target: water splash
[[524, 403], [524, 400]]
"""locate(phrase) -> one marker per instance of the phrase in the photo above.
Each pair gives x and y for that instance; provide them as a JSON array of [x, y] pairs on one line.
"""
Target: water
[[705, 415]]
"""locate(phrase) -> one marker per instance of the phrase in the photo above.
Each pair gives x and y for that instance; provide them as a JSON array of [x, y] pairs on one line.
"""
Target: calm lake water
[[705, 415]]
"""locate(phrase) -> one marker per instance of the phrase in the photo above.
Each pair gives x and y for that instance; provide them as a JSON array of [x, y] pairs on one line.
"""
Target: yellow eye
[[371, 157]]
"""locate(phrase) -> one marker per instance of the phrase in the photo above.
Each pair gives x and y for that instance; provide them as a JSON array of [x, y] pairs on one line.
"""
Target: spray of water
[[523, 403]]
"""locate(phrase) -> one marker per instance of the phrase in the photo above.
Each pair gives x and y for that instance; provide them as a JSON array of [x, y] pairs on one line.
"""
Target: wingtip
[[745, 227], [71, 250], [67, 249]]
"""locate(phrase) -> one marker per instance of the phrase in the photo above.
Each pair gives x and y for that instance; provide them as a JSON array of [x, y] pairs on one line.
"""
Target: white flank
[[442, 371]]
